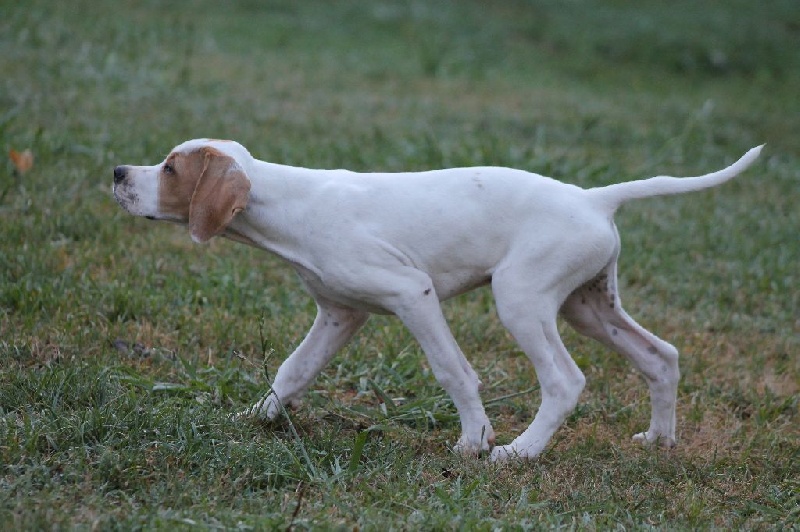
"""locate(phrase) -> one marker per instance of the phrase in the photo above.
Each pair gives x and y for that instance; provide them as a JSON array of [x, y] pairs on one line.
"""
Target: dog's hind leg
[[595, 310], [332, 329], [530, 316]]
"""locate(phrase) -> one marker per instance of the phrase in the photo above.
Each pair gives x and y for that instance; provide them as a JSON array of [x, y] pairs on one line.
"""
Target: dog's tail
[[614, 196]]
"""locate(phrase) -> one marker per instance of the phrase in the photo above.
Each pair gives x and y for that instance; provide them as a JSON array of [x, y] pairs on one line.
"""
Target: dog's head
[[202, 183]]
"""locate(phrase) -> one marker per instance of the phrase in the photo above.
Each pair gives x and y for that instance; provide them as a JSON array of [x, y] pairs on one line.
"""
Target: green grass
[[124, 348]]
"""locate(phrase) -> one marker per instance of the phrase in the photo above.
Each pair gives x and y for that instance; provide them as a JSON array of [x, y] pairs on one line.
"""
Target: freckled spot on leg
[[614, 332], [335, 323], [611, 305], [426, 291], [652, 350]]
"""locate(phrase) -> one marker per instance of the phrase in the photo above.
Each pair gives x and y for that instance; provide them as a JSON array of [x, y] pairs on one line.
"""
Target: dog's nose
[[119, 174]]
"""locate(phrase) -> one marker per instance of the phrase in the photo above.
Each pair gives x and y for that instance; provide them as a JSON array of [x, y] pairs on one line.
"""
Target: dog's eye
[[168, 168]]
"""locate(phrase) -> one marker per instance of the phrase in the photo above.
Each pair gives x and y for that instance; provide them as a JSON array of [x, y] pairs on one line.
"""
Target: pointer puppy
[[400, 243]]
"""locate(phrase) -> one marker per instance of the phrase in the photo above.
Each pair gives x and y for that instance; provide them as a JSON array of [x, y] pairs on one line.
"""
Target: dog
[[400, 243]]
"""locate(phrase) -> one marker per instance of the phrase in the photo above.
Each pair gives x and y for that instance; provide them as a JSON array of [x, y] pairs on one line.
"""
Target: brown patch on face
[[221, 192], [205, 188], [176, 183]]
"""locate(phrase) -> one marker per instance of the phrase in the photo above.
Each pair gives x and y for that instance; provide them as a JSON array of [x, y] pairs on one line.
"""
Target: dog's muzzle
[[122, 190]]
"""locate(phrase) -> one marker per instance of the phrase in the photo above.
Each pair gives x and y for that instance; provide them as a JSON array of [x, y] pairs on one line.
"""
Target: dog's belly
[[454, 283], [445, 286]]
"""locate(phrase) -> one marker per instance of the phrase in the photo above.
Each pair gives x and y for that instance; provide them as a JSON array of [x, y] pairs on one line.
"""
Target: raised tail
[[616, 195]]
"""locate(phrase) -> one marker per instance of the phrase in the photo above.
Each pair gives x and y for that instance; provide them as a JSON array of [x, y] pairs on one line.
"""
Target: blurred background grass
[[123, 347]]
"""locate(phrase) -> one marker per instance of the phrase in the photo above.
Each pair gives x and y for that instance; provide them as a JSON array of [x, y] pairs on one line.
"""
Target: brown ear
[[221, 192]]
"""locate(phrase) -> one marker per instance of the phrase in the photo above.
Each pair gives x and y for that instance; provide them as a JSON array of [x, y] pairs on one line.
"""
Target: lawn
[[124, 347]]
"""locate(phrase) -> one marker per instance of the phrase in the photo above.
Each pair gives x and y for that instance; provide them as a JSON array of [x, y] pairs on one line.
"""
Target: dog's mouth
[[128, 199], [123, 197]]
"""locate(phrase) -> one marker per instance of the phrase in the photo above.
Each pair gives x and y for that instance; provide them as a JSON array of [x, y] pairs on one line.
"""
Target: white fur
[[138, 194], [399, 243]]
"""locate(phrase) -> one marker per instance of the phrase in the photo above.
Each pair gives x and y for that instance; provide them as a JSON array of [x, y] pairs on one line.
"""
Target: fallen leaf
[[22, 161]]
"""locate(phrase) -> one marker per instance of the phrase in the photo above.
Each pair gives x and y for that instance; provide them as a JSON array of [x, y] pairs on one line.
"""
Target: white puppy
[[400, 243]]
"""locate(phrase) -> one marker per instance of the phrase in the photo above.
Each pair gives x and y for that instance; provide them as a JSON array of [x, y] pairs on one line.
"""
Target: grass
[[124, 348]]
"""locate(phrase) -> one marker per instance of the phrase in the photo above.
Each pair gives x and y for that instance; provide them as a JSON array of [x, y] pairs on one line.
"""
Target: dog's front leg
[[332, 329], [421, 313]]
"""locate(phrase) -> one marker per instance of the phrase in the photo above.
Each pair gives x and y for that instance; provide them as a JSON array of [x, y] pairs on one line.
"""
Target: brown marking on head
[[177, 180], [205, 187]]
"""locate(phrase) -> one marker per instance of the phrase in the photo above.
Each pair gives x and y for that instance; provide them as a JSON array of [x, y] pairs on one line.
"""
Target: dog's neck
[[273, 219]]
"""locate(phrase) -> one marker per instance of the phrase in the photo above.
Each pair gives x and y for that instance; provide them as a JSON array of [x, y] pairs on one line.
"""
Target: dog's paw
[[475, 446], [648, 438], [267, 409], [505, 453]]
